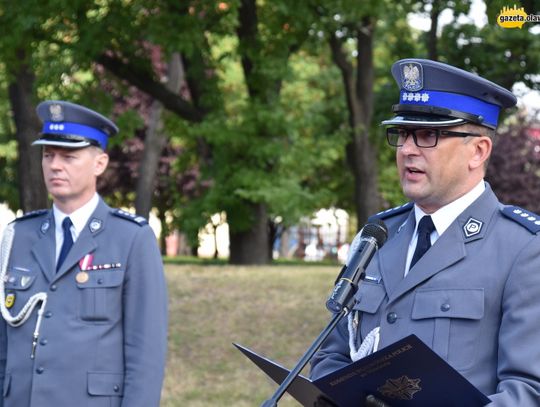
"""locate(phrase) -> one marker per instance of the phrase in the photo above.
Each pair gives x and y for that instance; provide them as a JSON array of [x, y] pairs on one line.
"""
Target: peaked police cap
[[436, 94], [69, 125]]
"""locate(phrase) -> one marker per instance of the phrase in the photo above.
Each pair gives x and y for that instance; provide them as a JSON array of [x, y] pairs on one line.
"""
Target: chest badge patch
[[45, 226], [472, 227], [95, 225], [25, 280], [10, 300]]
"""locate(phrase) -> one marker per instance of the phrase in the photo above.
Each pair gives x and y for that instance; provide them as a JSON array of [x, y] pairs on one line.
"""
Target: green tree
[[120, 37], [363, 42], [17, 53], [277, 104]]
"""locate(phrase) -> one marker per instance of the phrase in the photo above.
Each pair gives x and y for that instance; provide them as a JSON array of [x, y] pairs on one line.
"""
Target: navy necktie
[[425, 227], [68, 241]]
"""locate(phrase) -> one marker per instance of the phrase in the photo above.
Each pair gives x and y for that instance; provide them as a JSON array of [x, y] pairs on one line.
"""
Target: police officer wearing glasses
[[460, 269], [83, 296]]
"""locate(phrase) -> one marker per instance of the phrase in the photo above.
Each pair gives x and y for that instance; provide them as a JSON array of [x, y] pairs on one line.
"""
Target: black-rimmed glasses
[[423, 137]]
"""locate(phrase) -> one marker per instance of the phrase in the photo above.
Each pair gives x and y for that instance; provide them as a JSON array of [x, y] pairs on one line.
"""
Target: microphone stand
[[272, 402], [373, 236]]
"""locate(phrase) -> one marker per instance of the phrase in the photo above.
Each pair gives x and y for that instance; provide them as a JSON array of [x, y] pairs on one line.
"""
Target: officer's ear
[[101, 160], [482, 150]]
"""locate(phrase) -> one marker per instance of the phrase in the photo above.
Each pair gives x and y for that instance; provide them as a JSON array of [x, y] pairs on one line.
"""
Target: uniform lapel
[[86, 242], [44, 248], [393, 255], [451, 245], [447, 250]]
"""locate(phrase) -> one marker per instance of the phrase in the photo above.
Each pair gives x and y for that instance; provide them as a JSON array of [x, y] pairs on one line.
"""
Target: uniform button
[[100, 281], [40, 370], [43, 342], [116, 388], [48, 314], [53, 287], [391, 317], [445, 307]]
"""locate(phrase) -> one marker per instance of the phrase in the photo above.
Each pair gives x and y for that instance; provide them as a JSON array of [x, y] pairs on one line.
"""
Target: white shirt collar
[[79, 217], [443, 217]]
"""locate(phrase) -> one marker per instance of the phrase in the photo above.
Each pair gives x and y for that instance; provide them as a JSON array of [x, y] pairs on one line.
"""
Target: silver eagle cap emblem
[[411, 77]]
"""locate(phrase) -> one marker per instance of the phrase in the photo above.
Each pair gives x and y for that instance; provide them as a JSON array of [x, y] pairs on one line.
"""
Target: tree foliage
[[277, 98]]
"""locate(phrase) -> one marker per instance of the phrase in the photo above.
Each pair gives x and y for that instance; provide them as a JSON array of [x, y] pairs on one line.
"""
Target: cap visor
[[63, 144], [423, 121]]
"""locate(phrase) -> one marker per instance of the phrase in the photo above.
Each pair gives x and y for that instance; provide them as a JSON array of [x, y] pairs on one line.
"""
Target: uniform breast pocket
[[369, 298], [101, 296], [18, 287], [452, 322]]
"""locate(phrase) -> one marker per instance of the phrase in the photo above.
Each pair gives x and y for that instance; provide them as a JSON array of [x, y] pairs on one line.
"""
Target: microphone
[[372, 236]]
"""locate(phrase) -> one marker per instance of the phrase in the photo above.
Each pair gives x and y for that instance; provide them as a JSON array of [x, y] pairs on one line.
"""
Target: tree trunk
[[364, 160], [251, 246], [32, 191], [154, 143], [273, 234], [432, 34], [361, 155], [164, 231]]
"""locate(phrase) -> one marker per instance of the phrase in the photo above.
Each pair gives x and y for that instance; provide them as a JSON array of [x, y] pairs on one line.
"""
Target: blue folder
[[405, 374]]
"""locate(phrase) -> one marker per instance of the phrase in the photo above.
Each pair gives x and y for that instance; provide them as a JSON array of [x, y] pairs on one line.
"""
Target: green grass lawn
[[275, 311]]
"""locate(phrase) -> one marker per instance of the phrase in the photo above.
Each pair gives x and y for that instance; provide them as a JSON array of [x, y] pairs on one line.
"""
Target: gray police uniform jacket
[[103, 341], [474, 298]]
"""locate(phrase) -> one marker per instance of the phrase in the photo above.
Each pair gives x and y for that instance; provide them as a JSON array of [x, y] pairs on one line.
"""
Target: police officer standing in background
[[460, 270], [84, 294]]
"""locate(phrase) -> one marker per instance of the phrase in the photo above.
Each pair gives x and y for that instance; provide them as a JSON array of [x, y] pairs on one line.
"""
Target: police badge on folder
[[405, 374]]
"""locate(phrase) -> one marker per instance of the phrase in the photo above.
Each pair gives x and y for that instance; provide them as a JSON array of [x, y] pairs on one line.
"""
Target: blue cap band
[[454, 101], [76, 129]]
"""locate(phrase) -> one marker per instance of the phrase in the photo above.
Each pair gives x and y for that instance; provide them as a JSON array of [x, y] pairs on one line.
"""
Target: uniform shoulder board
[[31, 214], [529, 220], [140, 220], [392, 212]]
